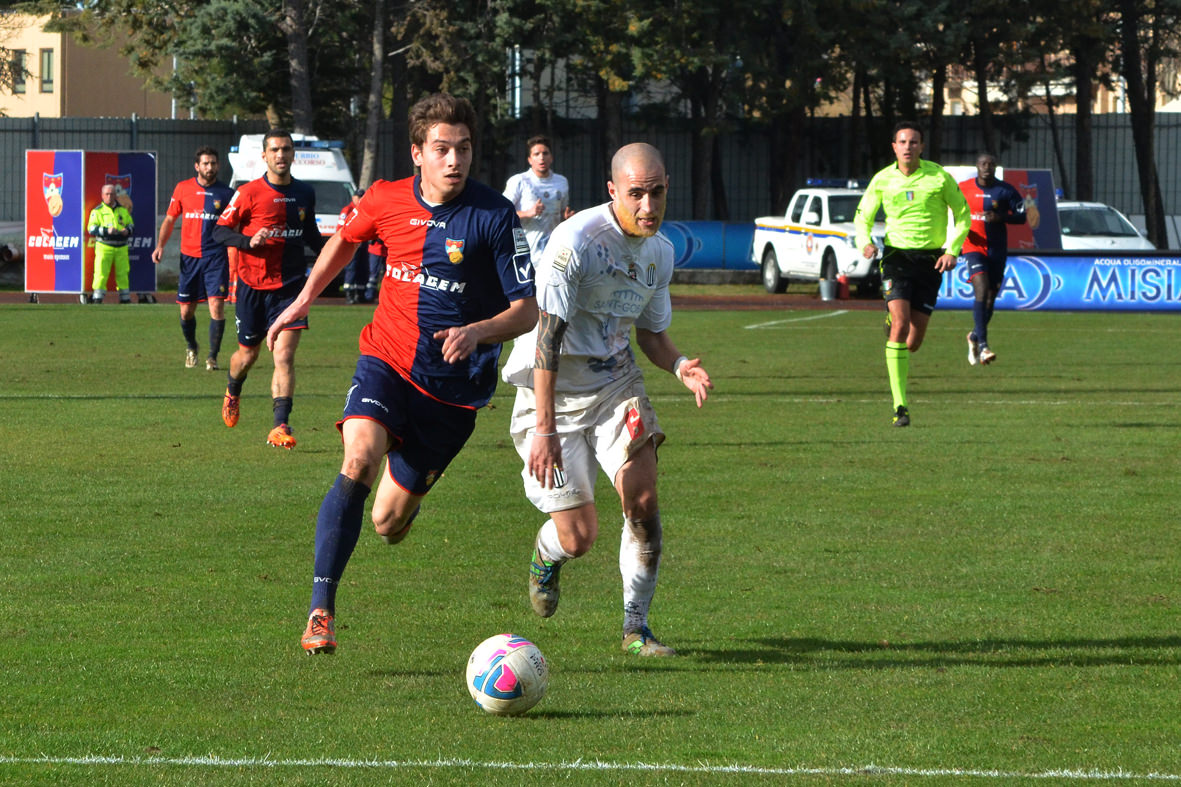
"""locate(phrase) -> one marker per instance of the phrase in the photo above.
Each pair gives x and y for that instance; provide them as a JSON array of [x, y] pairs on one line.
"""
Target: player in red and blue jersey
[[994, 205], [458, 282], [204, 264], [269, 220]]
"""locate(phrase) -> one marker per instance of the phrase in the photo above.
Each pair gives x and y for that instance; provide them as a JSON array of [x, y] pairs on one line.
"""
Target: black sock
[[189, 329], [234, 387], [282, 409], [217, 328]]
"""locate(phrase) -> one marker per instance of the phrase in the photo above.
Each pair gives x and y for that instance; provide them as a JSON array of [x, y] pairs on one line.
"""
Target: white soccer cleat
[[987, 356], [973, 349]]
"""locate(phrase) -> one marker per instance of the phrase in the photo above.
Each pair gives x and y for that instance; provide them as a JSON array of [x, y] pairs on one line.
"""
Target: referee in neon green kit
[[915, 196]]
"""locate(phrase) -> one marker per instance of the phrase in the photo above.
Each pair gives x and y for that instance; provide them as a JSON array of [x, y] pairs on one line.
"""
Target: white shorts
[[596, 430]]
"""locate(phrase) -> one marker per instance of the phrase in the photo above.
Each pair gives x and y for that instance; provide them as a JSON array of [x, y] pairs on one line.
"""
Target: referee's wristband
[[677, 367]]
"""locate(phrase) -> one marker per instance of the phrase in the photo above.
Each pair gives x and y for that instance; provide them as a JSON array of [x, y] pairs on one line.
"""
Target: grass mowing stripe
[[579, 765]]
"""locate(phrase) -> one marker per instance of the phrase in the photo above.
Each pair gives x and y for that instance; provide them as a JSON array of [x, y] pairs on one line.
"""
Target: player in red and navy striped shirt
[[458, 282], [994, 204], [204, 265], [269, 220]]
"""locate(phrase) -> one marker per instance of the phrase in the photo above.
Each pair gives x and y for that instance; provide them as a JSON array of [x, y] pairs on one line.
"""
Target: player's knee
[[391, 525], [641, 506]]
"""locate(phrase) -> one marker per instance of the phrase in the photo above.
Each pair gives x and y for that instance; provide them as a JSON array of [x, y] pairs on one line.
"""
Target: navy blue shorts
[[982, 263], [202, 278], [255, 310], [910, 275], [427, 434]]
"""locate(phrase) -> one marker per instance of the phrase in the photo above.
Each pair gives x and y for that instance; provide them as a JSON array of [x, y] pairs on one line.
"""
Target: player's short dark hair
[[205, 150], [538, 139], [906, 124], [441, 108], [276, 133]]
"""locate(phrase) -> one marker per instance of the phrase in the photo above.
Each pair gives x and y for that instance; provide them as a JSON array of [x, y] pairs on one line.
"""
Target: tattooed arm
[[545, 454]]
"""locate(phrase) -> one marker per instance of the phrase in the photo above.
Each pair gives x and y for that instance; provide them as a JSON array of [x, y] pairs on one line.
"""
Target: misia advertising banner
[[61, 188]]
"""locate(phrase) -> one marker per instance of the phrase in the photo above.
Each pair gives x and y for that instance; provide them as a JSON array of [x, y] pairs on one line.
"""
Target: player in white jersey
[[581, 403], [540, 196]]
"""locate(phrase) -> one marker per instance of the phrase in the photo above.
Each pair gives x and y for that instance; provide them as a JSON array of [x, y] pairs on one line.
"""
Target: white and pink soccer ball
[[507, 675]]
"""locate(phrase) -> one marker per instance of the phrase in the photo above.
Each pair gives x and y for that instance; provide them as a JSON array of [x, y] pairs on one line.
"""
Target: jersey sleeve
[[1016, 212], [174, 204], [959, 211], [311, 231], [558, 277], [512, 191], [237, 213], [867, 210], [514, 263], [361, 224]]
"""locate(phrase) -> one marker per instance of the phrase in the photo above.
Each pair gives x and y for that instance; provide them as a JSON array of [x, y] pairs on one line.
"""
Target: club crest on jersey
[[454, 250], [302, 215]]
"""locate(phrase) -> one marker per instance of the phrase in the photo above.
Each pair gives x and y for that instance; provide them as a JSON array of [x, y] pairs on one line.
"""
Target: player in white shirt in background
[[540, 196], [581, 402]]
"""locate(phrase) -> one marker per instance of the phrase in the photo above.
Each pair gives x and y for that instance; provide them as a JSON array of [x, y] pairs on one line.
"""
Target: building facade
[[63, 78]]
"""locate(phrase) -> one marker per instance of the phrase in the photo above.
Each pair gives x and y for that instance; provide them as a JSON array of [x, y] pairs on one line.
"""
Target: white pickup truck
[[815, 240]]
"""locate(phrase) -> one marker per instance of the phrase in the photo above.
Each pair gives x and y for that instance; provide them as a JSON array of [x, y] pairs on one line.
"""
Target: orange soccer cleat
[[281, 437]]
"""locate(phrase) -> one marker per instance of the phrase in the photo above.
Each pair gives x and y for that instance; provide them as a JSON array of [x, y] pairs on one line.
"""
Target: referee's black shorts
[[910, 275]]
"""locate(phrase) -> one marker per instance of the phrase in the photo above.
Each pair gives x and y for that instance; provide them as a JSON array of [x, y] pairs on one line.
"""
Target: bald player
[[581, 403]]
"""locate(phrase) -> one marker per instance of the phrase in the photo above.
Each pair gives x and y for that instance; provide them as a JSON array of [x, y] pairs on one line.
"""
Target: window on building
[[46, 70], [19, 64]]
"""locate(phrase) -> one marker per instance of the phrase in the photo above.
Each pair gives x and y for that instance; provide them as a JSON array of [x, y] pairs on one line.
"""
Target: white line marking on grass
[[773, 323], [592, 765]]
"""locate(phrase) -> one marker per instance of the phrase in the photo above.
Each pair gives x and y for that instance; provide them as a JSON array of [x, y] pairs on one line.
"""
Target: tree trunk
[[294, 27], [610, 125], [1084, 71], [1056, 138], [718, 182], [373, 101], [1143, 113], [934, 146], [980, 66]]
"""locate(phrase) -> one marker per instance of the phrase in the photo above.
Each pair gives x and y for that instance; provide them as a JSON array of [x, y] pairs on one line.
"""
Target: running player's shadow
[[838, 654]]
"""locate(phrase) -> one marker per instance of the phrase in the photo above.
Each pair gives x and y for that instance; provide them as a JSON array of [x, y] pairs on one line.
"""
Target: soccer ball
[[507, 675]]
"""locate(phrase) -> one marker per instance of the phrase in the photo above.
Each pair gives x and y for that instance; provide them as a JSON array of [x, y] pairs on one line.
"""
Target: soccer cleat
[[987, 356], [973, 349], [211, 365], [902, 417], [190, 358], [320, 635], [281, 437], [229, 410], [643, 642], [543, 585]]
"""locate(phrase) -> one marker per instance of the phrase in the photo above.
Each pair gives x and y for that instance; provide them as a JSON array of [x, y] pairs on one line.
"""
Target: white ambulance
[[318, 162]]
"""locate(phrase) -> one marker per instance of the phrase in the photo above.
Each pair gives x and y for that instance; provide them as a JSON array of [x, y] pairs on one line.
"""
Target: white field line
[[810, 317], [591, 765]]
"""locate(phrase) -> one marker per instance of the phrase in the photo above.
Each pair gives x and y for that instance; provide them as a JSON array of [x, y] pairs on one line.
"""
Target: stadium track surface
[[712, 302]]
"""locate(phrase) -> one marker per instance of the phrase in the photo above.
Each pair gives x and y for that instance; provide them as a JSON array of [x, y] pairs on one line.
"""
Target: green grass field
[[991, 595]]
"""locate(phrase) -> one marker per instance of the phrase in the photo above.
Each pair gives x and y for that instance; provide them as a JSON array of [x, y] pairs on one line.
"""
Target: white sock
[[639, 565], [549, 546]]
